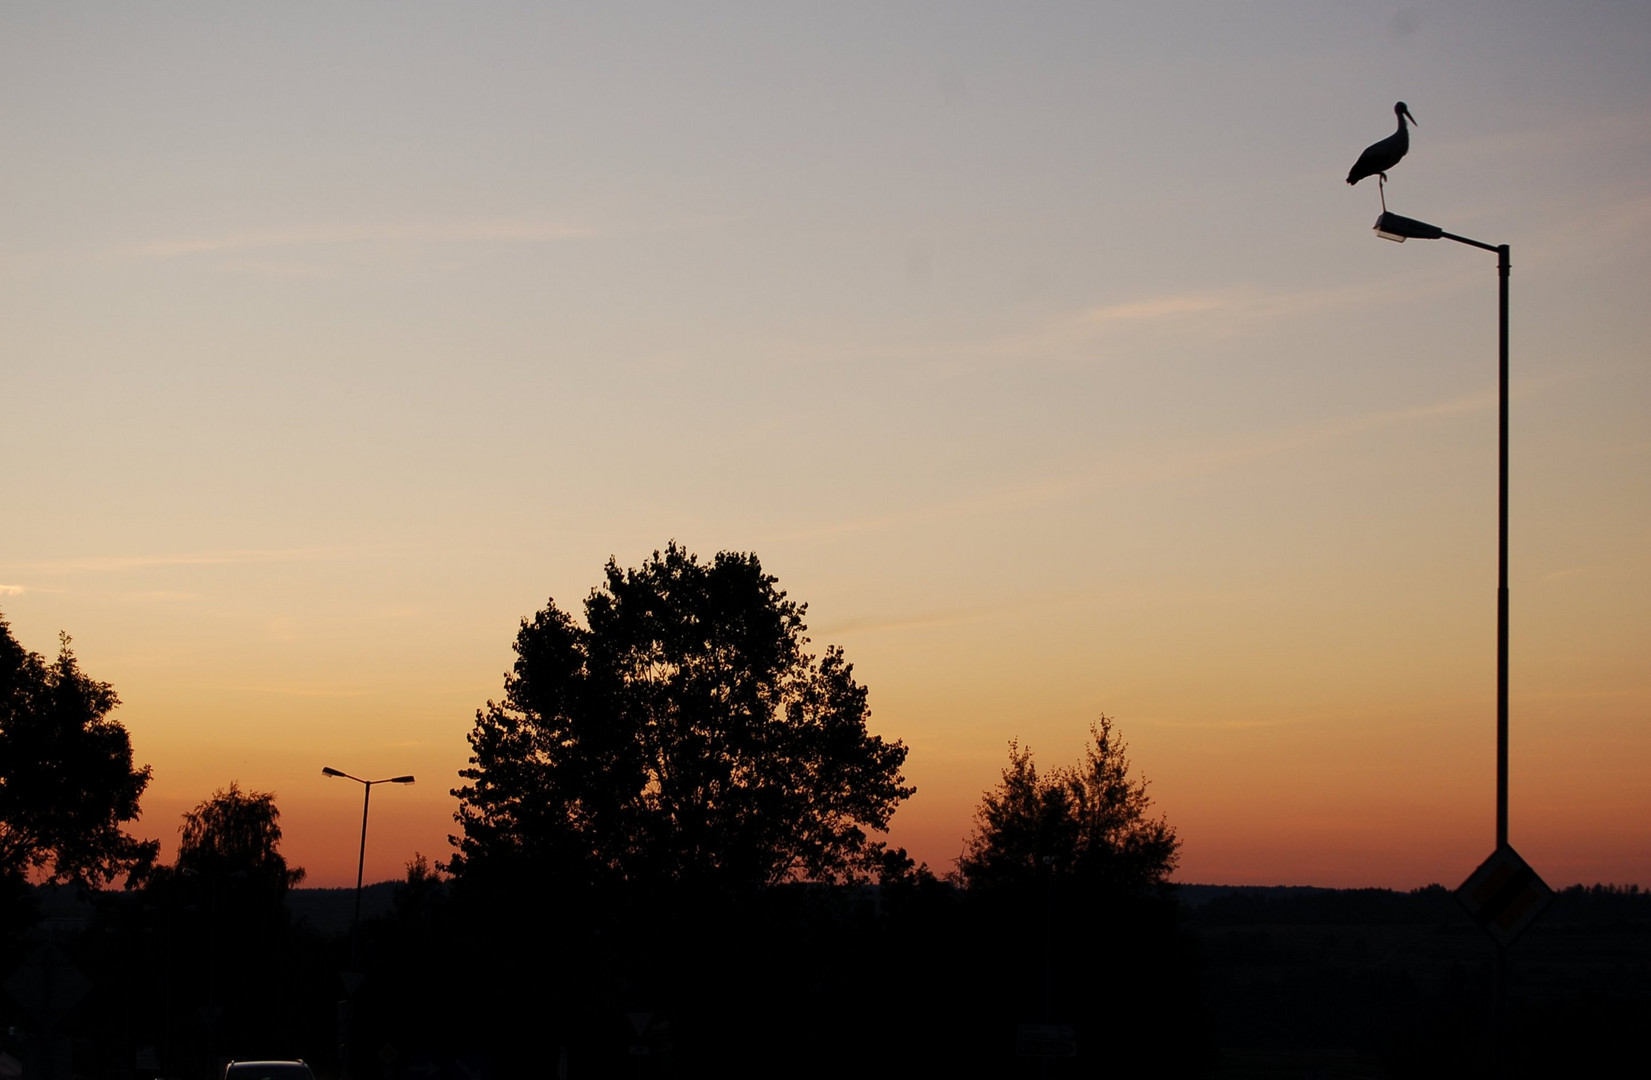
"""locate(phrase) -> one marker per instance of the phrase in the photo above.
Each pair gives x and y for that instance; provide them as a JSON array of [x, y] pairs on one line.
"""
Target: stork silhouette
[[1381, 156]]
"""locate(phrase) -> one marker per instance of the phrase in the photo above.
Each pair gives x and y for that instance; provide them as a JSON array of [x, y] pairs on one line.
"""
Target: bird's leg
[[1381, 188]]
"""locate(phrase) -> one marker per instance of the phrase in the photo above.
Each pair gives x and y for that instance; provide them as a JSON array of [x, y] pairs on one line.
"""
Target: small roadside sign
[[47, 984], [1046, 1041], [1504, 895]]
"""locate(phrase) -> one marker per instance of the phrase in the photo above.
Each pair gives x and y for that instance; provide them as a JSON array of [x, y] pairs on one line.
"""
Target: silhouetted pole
[[1503, 265], [361, 857], [1048, 952], [355, 923], [360, 867], [1394, 227], [1501, 985]]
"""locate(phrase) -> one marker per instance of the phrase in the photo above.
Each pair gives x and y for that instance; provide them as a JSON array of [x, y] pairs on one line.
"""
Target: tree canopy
[[236, 832], [683, 735], [1089, 824], [67, 780]]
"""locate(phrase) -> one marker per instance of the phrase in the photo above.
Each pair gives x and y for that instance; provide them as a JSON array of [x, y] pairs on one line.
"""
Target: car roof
[[286, 1063]]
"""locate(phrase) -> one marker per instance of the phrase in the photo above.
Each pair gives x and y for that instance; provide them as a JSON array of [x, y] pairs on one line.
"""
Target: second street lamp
[[361, 859]]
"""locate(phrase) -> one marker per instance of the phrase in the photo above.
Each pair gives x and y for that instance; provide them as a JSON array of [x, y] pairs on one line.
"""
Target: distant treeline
[[1250, 905], [328, 910]]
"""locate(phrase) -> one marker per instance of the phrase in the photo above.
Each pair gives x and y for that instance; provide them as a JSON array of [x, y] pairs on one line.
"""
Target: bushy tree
[[236, 832], [67, 781], [1090, 824], [1067, 916], [223, 930], [681, 736]]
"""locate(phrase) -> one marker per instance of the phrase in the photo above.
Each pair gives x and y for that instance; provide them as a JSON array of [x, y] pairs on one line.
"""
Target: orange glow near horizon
[[1369, 800]]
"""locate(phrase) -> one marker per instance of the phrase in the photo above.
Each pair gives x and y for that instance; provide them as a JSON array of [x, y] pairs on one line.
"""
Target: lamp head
[[1399, 228], [327, 770], [401, 779]]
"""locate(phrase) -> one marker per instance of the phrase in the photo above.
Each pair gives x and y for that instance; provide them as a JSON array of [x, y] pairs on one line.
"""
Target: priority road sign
[[1504, 895], [1046, 1040]]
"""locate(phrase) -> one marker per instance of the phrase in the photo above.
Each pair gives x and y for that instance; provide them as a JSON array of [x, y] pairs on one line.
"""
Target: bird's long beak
[[1412, 118]]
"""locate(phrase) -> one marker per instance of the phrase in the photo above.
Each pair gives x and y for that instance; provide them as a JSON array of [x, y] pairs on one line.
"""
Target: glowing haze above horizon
[[1040, 349]]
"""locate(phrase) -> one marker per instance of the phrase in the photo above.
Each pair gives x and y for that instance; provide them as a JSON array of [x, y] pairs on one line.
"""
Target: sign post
[[1504, 896]]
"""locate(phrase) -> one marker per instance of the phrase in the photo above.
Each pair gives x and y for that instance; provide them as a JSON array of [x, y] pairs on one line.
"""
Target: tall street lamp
[[1397, 228], [1504, 894], [361, 860]]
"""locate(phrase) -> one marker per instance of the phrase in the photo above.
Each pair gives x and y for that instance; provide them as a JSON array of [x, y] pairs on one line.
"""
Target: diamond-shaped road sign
[[1504, 895], [47, 984], [1046, 1040]]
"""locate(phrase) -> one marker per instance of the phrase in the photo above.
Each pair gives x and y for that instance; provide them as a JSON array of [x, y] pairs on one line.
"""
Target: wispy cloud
[[1233, 724], [1235, 307], [12, 590], [1083, 334], [875, 623], [1146, 467], [115, 563], [501, 230], [1567, 140], [1160, 307], [1215, 460], [299, 690]]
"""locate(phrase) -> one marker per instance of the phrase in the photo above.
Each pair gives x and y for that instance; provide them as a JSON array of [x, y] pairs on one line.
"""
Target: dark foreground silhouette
[[918, 977], [1371, 982], [914, 977], [668, 869]]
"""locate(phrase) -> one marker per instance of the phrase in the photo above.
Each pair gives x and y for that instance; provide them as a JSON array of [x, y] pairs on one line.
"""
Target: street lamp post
[[361, 859], [1399, 228], [355, 923]]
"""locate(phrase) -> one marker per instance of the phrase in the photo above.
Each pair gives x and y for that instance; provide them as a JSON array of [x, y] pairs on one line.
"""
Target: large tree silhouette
[[681, 737], [67, 781]]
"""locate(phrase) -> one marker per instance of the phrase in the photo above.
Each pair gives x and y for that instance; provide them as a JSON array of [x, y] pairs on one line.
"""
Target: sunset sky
[[1040, 348]]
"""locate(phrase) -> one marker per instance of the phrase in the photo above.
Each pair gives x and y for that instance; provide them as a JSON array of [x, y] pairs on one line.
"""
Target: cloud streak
[[1113, 475], [105, 564], [871, 624], [1171, 318], [501, 230]]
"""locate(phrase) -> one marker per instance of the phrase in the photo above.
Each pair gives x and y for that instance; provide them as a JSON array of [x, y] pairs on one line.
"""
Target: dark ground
[[1373, 983], [1281, 982]]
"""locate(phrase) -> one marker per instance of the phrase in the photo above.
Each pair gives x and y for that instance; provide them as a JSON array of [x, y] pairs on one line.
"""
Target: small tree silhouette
[[236, 832], [1091, 824]]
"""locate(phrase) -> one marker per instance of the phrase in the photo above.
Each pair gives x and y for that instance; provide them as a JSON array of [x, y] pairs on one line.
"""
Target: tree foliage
[[683, 735], [67, 781], [236, 832], [1089, 824]]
